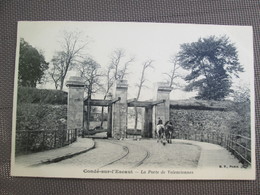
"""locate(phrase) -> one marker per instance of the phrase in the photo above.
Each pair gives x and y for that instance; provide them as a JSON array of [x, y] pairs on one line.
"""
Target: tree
[[89, 71], [241, 94], [116, 70], [173, 74], [147, 64], [212, 62], [65, 59], [57, 69], [32, 65], [117, 64]]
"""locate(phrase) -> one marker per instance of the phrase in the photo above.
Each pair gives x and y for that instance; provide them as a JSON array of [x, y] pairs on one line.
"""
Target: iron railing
[[39, 140], [238, 145]]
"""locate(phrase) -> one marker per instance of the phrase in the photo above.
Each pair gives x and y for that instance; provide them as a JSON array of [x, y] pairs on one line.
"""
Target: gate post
[[75, 103], [119, 119], [148, 122], [162, 111]]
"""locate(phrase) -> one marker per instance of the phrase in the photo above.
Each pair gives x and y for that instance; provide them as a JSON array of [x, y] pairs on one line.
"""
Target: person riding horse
[[160, 130], [164, 132]]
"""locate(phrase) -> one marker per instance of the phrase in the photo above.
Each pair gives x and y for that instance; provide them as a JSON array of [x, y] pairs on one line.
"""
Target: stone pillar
[[109, 121], [119, 121], [75, 103], [162, 92], [109, 117], [148, 122]]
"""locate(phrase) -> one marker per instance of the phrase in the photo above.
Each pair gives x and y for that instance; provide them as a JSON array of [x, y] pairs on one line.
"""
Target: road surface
[[146, 153]]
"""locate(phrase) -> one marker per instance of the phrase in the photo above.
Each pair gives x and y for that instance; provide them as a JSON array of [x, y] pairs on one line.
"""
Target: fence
[[39, 140], [238, 145]]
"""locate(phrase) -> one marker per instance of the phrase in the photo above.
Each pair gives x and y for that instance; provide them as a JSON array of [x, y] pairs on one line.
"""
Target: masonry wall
[[189, 121]]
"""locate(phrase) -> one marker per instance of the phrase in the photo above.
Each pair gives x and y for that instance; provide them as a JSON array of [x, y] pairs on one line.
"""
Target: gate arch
[[118, 107]]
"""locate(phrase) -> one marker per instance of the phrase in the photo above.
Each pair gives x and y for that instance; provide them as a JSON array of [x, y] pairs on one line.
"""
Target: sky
[[143, 41]]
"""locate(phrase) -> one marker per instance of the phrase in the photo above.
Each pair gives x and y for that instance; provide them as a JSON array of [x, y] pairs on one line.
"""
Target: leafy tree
[[32, 65], [241, 93], [212, 61]]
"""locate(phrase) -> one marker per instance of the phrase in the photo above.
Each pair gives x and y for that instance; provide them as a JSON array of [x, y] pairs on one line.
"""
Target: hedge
[[41, 96]]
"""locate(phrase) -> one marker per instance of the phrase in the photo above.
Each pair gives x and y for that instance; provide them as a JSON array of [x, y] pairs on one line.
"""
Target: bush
[[40, 116], [32, 124], [41, 96]]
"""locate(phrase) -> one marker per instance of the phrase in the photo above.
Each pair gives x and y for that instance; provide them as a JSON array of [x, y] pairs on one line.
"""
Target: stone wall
[[208, 119]]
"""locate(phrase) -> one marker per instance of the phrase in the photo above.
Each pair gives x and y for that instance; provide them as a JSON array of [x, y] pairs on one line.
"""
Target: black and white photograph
[[128, 100]]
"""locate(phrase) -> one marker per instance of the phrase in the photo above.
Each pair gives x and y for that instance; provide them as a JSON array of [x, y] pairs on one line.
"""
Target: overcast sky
[[143, 41]]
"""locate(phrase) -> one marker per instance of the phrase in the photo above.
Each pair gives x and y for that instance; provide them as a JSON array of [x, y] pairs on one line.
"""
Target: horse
[[164, 133], [168, 131], [160, 134]]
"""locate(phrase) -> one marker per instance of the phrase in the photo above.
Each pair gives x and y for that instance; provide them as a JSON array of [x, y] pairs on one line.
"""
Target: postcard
[[127, 100]]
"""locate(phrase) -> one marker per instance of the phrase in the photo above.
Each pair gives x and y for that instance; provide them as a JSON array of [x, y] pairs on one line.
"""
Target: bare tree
[[65, 59], [119, 65], [147, 64], [115, 60], [109, 78], [89, 71], [123, 71], [57, 68], [173, 74], [117, 70]]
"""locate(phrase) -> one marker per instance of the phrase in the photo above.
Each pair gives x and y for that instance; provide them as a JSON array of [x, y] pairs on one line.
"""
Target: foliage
[[211, 61], [241, 94], [31, 65], [242, 126], [40, 116], [38, 124], [43, 96]]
